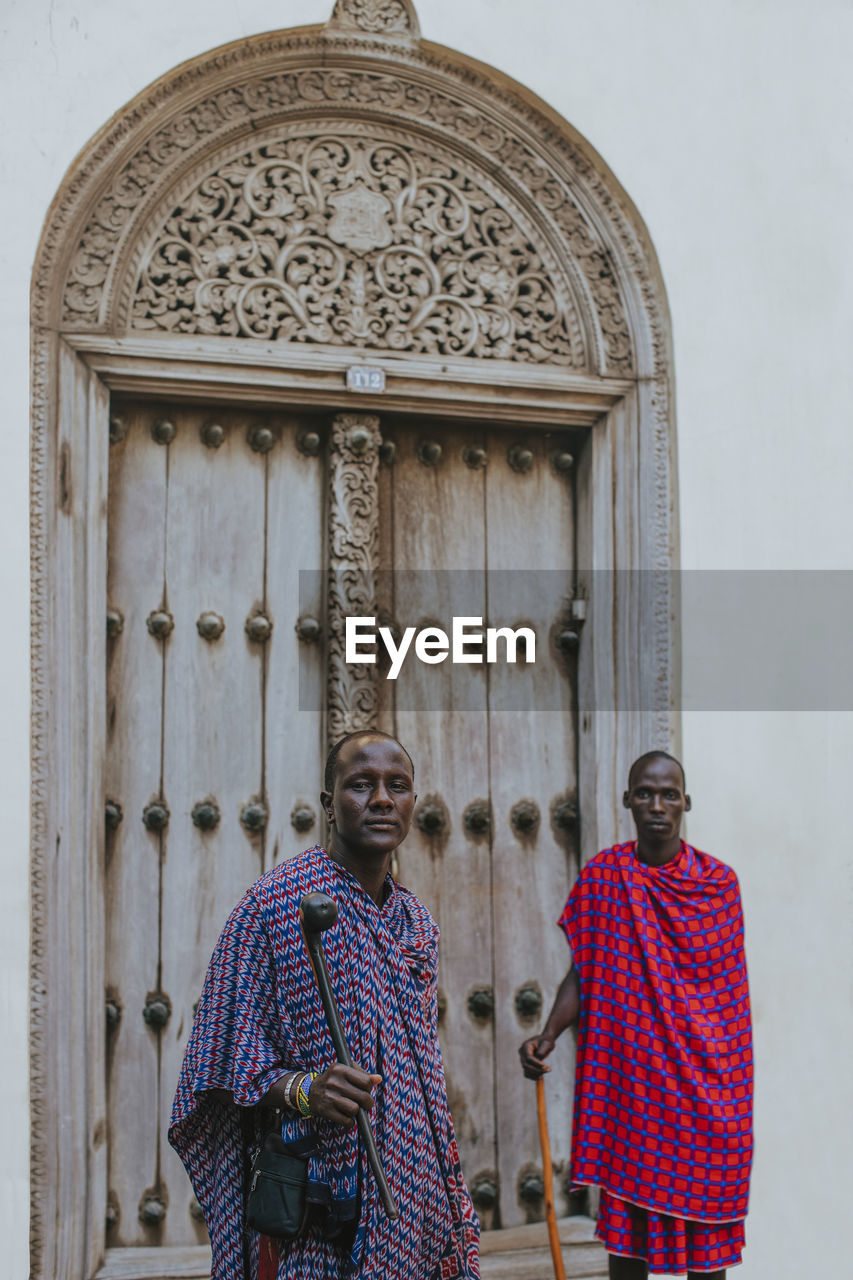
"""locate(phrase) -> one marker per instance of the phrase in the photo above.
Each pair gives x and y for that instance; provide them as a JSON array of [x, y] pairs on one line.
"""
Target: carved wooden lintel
[[353, 550], [392, 20]]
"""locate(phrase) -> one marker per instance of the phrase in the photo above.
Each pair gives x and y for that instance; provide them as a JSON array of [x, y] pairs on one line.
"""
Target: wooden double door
[[218, 684]]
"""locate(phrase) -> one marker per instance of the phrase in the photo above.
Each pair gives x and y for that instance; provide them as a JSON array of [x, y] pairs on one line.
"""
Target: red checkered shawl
[[663, 1092]]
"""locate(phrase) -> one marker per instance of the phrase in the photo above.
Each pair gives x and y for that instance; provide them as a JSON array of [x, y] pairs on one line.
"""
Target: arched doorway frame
[[83, 349]]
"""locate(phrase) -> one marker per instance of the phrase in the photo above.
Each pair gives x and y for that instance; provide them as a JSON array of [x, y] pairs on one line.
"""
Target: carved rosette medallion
[[363, 242], [353, 551]]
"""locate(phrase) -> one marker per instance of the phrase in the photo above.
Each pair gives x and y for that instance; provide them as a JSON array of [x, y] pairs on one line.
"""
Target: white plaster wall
[[728, 123]]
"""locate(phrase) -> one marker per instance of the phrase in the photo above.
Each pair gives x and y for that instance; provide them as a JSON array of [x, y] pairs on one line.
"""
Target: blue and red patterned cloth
[[260, 1015], [663, 1088]]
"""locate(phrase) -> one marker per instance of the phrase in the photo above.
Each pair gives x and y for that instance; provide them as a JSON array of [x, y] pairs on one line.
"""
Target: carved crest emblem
[[361, 219]]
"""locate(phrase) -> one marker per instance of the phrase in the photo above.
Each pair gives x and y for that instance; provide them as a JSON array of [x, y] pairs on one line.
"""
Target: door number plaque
[[365, 377]]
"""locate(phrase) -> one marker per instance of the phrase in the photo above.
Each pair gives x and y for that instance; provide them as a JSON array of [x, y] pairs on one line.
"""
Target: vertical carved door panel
[[493, 847], [133, 782], [529, 518], [211, 517], [212, 741], [436, 523]]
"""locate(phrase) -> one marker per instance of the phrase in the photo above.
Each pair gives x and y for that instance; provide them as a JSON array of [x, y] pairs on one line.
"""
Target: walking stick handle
[[548, 1179], [321, 911]]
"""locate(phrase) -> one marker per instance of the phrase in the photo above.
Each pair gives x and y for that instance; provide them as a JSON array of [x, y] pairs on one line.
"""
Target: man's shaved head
[[332, 758], [644, 759]]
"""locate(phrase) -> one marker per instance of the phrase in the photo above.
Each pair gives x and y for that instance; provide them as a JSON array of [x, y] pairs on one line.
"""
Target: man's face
[[372, 802], [657, 800]]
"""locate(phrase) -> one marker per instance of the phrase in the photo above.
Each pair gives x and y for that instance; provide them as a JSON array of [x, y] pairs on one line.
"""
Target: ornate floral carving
[[353, 557], [357, 241], [352, 93], [394, 19]]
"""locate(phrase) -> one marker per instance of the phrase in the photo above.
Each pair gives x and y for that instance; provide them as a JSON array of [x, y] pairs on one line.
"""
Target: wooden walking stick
[[548, 1179], [318, 912]]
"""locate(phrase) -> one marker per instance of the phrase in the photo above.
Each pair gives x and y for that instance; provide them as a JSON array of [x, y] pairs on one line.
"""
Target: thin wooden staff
[[548, 1179], [318, 912]]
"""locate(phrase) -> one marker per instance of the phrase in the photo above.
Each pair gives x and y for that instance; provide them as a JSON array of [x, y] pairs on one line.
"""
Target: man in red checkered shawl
[[663, 1089]]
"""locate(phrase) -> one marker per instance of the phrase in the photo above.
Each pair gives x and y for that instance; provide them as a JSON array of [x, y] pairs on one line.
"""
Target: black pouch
[[279, 1177]]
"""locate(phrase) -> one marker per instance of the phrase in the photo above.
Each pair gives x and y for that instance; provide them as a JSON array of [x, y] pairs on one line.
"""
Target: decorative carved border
[[302, 74], [353, 552], [40, 918]]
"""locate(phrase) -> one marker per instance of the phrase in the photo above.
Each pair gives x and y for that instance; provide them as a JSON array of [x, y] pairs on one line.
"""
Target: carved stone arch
[[564, 227]]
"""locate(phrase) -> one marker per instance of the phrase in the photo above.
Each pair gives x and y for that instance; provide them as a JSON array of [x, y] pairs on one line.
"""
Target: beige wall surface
[[728, 124]]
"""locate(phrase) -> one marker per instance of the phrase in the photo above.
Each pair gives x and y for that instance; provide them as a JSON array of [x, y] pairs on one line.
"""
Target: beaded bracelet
[[302, 1091]]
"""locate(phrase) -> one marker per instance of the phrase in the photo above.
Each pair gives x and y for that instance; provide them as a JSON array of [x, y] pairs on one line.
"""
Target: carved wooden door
[[218, 677]]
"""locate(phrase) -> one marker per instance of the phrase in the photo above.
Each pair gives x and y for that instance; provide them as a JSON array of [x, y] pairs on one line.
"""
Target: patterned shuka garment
[[260, 1015], [663, 1088]]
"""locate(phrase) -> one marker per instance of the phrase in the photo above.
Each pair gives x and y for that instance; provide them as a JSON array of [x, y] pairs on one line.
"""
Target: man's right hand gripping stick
[[318, 912]]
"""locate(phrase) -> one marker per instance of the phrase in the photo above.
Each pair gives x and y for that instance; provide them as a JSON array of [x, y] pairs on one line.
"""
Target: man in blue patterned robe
[[260, 1019]]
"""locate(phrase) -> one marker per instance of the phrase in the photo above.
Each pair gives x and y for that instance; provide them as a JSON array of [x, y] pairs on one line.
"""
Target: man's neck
[[657, 853], [370, 871]]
